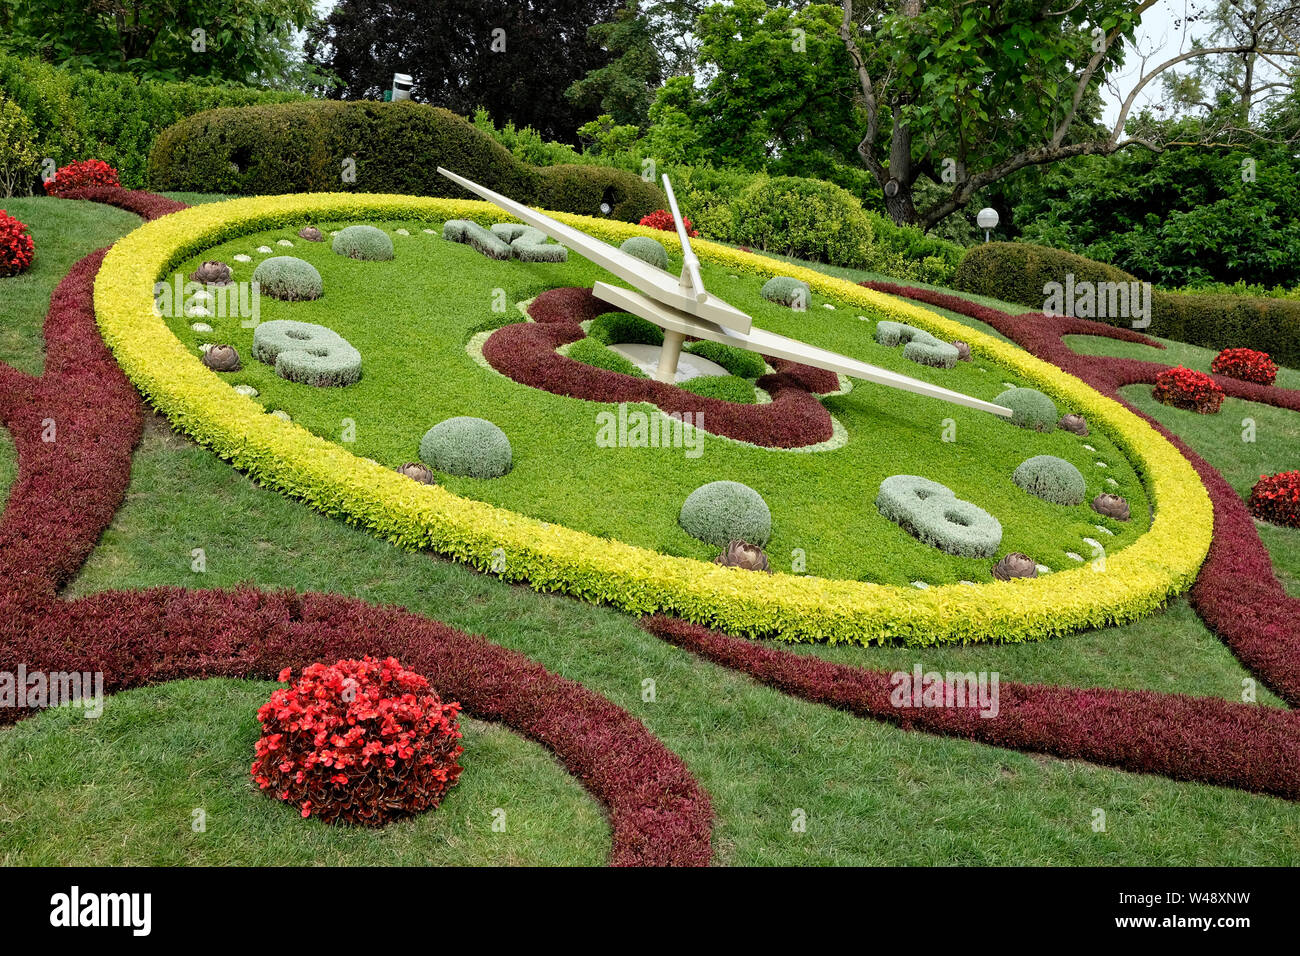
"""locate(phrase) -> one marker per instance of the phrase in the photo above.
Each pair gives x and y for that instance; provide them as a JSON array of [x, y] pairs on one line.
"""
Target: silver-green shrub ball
[[363, 242], [1030, 408], [472, 447], [786, 290], [932, 513], [647, 250], [288, 278], [306, 353], [1052, 479], [724, 511]]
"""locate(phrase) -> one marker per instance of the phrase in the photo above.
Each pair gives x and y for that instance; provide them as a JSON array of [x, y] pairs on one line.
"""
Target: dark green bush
[[804, 218], [396, 148], [1018, 272]]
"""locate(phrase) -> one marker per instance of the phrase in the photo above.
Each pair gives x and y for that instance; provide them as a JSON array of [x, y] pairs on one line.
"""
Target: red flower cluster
[[16, 246], [85, 174], [1185, 388], [662, 219], [1245, 364], [1276, 498], [359, 741]]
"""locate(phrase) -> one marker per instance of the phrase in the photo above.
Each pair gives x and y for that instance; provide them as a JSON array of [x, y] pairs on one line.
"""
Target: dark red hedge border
[[525, 352], [1236, 594], [65, 495], [1184, 738]]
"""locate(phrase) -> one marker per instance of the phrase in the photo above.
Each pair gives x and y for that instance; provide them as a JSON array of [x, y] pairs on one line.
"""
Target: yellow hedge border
[[285, 456]]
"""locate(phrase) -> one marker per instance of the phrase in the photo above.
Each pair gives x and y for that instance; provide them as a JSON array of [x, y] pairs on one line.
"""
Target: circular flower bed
[[1276, 498], [85, 174], [1245, 364], [359, 742], [16, 246], [1187, 389]]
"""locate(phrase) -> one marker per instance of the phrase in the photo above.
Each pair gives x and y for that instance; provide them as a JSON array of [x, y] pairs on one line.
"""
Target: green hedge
[[84, 114], [397, 147], [1017, 272]]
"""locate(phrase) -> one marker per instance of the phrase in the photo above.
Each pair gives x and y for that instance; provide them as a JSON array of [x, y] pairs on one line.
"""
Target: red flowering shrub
[[662, 219], [1184, 388], [85, 174], [1245, 364], [1276, 498], [359, 741], [16, 246]]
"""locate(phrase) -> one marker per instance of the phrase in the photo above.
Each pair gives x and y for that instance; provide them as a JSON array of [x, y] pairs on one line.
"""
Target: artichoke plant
[[212, 273], [1015, 565], [1074, 422], [311, 234], [1111, 506], [221, 358], [417, 472], [963, 350], [741, 555]]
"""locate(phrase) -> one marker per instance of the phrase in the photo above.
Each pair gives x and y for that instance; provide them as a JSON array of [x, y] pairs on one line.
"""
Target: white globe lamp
[[987, 218]]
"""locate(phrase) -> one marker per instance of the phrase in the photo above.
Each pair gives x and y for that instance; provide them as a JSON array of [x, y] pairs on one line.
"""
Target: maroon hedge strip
[[1236, 593], [525, 352], [1185, 738], [148, 205], [66, 493]]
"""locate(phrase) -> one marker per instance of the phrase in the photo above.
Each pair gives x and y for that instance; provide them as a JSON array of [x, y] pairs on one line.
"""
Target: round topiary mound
[[786, 290], [361, 742], [934, 515], [615, 328], [307, 353], [467, 446], [647, 250], [1052, 479], [739, 362], [363, 242], [288, 278], [725, 511], [1030, 408]]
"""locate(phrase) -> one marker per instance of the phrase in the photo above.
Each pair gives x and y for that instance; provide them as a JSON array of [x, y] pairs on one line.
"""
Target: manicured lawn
[[64, 230], [760, 754], [1174, 353], [412, 318], [123, 788], [872, 794]]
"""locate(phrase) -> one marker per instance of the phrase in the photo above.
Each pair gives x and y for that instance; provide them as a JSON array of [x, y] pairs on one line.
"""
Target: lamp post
[[987, 219]]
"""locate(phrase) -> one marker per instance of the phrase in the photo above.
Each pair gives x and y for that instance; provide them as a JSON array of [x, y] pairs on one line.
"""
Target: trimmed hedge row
[[1017, 272], [332, 146], [1135, 581], [77, 114]]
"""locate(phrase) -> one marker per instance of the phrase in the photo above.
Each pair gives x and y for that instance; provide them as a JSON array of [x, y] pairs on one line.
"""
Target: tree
[[966, 94], [235, 40], [514, 59]]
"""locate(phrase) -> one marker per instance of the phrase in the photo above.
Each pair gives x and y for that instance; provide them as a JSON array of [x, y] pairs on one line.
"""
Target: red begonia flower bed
[[525, 352], [64, 497]]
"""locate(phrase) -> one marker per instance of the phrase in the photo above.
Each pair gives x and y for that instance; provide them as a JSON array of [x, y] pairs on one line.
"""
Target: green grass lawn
[[412, 318], [123, 788], [64, 230], [872, 794], [1174, 353]]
